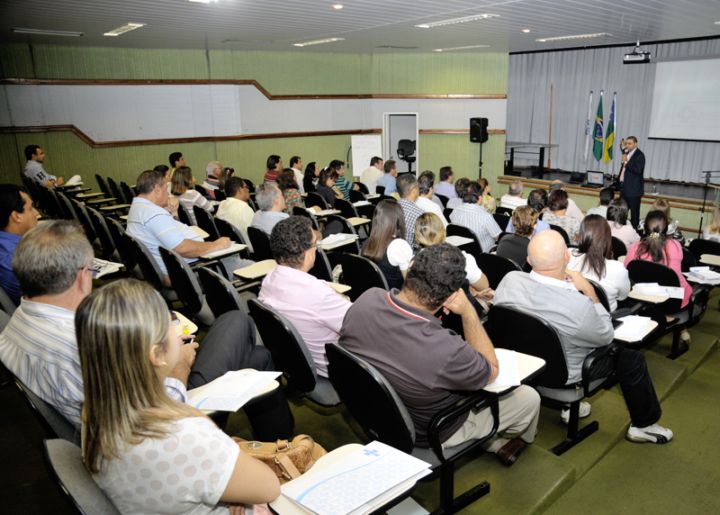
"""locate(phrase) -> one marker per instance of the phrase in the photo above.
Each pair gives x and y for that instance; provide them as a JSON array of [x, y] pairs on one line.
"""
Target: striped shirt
[[479, 221], [192, 198], [155, 227], [39, 347]]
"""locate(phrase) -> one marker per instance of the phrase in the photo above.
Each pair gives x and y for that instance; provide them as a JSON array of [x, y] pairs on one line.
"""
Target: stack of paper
[[703, 275], [350, 485], [633, 328], [232, 249], [361, 203], [654, 289], [335, 239], [231, 391], [100, 267], [75, 180]]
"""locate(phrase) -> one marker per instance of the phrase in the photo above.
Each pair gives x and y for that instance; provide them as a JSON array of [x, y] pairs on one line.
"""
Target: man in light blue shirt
[[387, 181], [34, 168]]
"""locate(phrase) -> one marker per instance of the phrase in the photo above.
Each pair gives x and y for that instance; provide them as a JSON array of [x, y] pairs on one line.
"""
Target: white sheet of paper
[[457, 241], [509, 370], [337, 238], [674, 292], [230, 391], [234, 247], [633, 328]]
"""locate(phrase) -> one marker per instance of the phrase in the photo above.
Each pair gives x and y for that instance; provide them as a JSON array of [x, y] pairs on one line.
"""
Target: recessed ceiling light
[[125, 28], [453, 21], [575, 36], [717, 22], [459, 48], [46, 32], [338, 6], [318, 42], [204, 1], [526, 30]]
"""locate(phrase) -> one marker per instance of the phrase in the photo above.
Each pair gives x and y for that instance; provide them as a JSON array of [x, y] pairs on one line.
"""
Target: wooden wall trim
[[239, 137], [250, 82]]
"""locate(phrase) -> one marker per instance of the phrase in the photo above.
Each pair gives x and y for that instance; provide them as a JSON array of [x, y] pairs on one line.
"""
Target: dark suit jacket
[[633, 182]]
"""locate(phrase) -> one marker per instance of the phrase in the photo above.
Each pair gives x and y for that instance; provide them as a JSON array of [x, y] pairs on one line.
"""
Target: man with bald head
[[567, 301]]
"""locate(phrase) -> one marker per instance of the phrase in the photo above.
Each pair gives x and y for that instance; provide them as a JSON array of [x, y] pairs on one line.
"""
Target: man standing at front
[[398, 333], [632, 186]]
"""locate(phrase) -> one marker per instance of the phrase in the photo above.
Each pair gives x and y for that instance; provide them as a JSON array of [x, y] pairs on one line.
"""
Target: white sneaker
[[653, 434], [584, 412]]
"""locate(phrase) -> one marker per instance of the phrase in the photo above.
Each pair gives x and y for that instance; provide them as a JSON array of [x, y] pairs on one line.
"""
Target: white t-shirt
[[186, 472], [399, 254], [428, 206], [472, 271], [616, 281]]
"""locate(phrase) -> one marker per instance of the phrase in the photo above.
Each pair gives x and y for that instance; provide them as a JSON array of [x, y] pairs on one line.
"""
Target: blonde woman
[[183, 187], [712, 231], [430, 231], [147, 452]]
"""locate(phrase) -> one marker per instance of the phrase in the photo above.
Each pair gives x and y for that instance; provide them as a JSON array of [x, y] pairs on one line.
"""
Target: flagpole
[[588, 126], [615, 130], [550, 128]]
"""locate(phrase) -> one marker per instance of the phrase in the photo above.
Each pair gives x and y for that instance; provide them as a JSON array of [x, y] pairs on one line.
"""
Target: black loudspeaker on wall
[[478, 130]]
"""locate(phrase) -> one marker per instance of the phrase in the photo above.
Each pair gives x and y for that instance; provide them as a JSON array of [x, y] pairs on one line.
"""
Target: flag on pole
[[588, 126], [598, 131], [610, 134]]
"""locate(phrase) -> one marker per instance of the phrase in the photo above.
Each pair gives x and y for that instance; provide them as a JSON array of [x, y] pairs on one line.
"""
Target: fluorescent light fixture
[[204, 1], [453, 21], [526, 30], [460, 48], [717, 22], [338, 6], [318, 42], [125, 28], [575, 36], [46, 32]]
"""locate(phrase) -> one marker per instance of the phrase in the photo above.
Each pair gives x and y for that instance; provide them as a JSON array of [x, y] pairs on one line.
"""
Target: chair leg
[[448, 504], [679, 347], [575, 435]]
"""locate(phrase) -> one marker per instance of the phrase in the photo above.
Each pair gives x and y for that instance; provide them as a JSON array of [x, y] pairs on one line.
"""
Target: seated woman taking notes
[[147, 452]]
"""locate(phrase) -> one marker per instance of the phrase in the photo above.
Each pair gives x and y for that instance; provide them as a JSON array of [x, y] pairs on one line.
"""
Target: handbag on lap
[[288, 459]]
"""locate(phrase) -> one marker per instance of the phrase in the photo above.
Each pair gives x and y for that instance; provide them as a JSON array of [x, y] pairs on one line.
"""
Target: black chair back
[[6, 304], [202, 191], [220, 195], [648, 272], [356, 196], [54, 422], [618, 248], [103, 233], [116, 191], [220, 294], [562, 233], [501, 219], [206, 222], [301, 211], [363, 189], [122, 247], [103, 185], [67, 208], [370, 399], [495, 267], [513, 329], [699, 246], [443, 199], [229, 231], [315, 199], [286, 346], [322, 268], [347, 210], [183, 281], [688, 260], [127, 191], [145, 262], [601, 295], [184, 216], [380, 190], [260, 242], [250, 185], [447, 212], [361, 274], [472, 248], [84, 219], [506, 211]]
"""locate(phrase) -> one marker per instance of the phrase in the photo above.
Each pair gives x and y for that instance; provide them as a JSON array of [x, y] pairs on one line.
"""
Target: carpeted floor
[[603, 475]]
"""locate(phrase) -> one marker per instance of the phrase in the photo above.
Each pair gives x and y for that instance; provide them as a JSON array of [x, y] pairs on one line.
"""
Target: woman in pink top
[[658, 248]]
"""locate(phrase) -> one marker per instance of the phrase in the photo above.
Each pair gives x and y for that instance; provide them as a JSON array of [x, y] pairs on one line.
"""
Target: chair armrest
[[599, 364], [472, 401]]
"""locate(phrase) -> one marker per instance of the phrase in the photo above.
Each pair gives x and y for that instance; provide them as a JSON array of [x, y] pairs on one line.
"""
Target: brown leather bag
[[287, 459]]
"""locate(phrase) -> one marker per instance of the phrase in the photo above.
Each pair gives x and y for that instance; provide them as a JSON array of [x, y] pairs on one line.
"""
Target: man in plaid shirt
[[407, 187]]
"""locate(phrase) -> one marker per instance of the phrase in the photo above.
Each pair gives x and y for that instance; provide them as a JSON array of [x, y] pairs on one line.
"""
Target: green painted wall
[[280, 73]]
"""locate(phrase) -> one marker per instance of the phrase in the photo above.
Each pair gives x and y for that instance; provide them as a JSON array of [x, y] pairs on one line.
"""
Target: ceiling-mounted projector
[[636, 56]]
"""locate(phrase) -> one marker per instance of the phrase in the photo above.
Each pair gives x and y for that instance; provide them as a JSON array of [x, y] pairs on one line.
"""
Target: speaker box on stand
[[479, 134]]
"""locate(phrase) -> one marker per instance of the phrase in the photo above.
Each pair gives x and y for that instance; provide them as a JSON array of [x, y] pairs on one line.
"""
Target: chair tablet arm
[[473, 401], [599, 364], [626, 310]]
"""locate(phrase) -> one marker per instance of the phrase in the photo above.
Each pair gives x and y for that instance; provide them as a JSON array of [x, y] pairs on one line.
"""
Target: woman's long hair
[[182, 180], [653, 243], [595, 243], [125, 400], [310, 177], [388, 223]]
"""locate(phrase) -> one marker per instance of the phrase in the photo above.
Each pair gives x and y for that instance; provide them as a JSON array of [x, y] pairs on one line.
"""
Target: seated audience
[[310, 179], [472, 215], [34, 168], [712, 231], [673, 229], [235, 208], [656, 246], [409, 191], [537, 199], [386, 246], [397, 332], [514, 246], [274, 166], [572, 210], [341, 183], [175, 159], [370, 176], [152, 221], [513, 198], [387, 181], [424, 201], [39, 345], [271, 207], [213, 181], [488, 202], [606, 195], [460, 187], [445, 186], [617, 217], [594, 260], [326, 187], [430, 231], [183, 187], [17, 216], [557, 214], [146, 451], [315, 309], [291, 192], [296, 167], [567, 301]]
